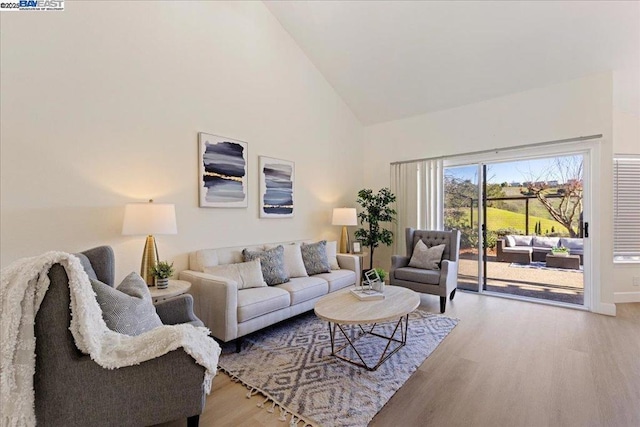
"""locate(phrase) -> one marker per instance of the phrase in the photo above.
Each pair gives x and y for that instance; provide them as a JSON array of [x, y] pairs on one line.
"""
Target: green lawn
[[500, 218]]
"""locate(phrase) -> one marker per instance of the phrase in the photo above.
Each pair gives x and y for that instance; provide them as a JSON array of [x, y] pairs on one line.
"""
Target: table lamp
[[149, 219], [344, 217]]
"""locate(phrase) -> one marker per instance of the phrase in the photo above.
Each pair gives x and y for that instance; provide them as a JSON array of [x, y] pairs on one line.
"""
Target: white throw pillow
[[511, 242], [427, 258], [246, 274], [293, 262], [332, 255]]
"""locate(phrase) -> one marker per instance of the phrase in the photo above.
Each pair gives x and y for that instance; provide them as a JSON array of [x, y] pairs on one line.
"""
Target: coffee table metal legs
[[402, 324]]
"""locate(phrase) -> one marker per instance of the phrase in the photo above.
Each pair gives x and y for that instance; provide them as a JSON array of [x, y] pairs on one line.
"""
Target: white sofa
[[231, 313]]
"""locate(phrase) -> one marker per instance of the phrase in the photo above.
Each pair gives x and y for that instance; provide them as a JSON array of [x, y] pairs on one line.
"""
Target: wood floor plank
[[507, 363]]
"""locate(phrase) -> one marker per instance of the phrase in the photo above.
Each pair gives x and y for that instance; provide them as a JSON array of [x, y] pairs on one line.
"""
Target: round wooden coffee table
[[342, 308]]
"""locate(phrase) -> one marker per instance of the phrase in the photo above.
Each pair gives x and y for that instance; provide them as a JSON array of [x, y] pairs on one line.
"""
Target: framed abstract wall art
[[277, 180], [223, 172]]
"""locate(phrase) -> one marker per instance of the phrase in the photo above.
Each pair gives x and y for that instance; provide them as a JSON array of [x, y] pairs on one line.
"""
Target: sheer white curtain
[[431, 194], [404, 184], [419, 198]]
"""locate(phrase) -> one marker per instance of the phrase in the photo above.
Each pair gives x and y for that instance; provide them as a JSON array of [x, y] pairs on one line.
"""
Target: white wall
[[626, 140], [101, 105], [576, 108]]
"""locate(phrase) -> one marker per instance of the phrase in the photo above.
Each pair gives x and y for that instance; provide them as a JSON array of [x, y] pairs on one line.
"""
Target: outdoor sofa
[[526, 249]]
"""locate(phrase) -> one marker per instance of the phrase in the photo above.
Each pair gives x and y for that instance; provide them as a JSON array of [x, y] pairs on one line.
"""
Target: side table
[[175, 288], [571, 262]]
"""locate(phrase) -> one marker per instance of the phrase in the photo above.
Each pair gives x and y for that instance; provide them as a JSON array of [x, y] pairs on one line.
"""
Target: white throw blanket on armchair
[[22, 289]]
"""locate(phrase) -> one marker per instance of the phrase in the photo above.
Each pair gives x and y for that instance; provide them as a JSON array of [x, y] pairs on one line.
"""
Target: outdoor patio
[[533, 281]]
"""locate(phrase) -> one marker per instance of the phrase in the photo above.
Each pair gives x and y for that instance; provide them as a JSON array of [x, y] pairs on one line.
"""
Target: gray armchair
[[443, 282], [73, 390]]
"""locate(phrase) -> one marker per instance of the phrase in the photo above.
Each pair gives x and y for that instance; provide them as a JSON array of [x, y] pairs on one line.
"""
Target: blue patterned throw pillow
[[314, 256], [271, 262]]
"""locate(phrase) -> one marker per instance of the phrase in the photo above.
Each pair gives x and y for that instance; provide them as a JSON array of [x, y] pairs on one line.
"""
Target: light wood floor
[[507, 363]]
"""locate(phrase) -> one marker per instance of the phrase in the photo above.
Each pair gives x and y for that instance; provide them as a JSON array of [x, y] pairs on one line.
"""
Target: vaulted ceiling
[[394, 59]]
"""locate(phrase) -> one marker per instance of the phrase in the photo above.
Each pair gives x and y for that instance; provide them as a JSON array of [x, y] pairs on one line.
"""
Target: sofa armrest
[[350, 262], [398, 261], [177, 310], [215, 302], [449, 275]]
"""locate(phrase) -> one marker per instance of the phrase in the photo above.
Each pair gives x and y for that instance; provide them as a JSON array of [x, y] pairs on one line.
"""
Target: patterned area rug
[[291, 365]]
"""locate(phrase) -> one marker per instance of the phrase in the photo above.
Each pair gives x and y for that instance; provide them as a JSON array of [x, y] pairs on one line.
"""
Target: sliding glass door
[[522, 226], [461, 193]]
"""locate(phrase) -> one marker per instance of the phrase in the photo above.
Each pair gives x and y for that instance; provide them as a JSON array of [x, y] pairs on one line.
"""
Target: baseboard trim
[[622, 297], [605, 308]]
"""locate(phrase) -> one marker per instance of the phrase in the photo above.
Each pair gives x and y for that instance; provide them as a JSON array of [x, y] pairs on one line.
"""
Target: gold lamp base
[[149, 260], [344, 241]]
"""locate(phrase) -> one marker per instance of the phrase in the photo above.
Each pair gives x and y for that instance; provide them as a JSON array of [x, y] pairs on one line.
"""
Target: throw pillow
[[293, 263], [272, 263], [245, 274], [332, 255], [128, 309], [315, 258], [511, 242], [426, 258], [522, 240]]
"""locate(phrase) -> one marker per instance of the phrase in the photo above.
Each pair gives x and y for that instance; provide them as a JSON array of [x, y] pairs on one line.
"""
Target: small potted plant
[[560, 251], [381, 273], [162, 271]]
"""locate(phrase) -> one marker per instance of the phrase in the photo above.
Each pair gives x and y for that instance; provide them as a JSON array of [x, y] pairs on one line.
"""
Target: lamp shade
[[149, 218], [344, 216]]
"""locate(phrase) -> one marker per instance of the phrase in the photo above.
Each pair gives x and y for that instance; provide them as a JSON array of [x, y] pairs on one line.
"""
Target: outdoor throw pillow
[[332, 255], [426, 258], [245, 274], [522, 240], [271, 262], [128, 309], [293, 263], [315, 258], [511, 242]]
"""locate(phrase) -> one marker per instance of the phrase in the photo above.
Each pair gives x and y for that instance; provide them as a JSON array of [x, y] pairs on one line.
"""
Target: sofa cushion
[[127, 309], [271, 262], [573, 244], [545, 242], [315, 258], [509, 241], [203, 258], [425, 257], [293, 263], [255, 302], [305, 288], [332, 255], [518, 250], [419, 275], [338, 279], [522, 240], [245, 274]]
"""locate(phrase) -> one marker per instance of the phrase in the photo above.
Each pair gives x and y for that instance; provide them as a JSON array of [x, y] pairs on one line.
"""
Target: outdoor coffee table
[[571, 262], [342, 308]]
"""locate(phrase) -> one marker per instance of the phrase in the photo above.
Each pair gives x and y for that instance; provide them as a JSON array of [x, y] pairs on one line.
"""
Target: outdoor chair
[[443, 281]]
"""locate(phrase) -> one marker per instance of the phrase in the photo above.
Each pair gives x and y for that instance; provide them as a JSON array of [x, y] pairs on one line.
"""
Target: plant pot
[[560, 253], [162, 283], [378, 286]]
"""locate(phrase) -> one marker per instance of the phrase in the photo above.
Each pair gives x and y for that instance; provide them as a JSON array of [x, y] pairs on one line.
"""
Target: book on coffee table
[[367, 294]]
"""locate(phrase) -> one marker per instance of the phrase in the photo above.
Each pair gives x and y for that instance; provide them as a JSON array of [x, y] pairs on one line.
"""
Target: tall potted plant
[[376, 209]]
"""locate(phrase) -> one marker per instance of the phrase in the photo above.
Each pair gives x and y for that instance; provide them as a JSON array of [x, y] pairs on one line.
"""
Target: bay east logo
[[20, 5], [41, 4]]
